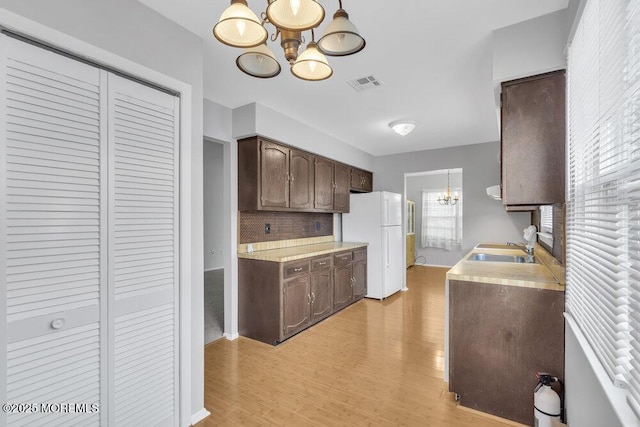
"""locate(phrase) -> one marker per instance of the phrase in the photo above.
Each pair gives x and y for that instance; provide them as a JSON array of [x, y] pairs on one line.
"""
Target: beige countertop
[[547, 273], [292, 253]]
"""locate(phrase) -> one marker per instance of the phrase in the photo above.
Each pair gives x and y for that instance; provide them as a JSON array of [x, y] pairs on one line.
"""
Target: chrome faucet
[[525, 248]]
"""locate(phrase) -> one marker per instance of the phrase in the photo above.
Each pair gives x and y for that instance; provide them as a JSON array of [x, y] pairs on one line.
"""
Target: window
[[546, 225], [603, 219], [441, 224]]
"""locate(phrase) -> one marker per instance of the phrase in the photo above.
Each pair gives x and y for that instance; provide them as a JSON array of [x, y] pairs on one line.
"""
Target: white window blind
[[441, 224], [603, 294]]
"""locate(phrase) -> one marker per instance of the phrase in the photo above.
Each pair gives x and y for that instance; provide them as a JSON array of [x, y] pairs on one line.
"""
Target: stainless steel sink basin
[[500, 258]]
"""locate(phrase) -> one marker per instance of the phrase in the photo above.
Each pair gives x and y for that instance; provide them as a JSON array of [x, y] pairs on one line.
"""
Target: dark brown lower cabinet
[[359, 274], [342, 280], [277, 300], [321, 289], [499, 336], [296, 305]]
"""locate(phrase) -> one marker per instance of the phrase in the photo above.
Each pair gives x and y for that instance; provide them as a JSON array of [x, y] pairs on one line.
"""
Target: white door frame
[[35, 30]]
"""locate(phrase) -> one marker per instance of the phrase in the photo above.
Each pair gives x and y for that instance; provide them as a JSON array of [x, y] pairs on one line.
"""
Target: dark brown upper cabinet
[[272, 176], [361, 180], [533, 141], [332, 181], [275, 177]]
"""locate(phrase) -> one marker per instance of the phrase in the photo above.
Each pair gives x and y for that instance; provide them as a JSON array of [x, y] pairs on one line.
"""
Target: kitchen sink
[[500, 258]]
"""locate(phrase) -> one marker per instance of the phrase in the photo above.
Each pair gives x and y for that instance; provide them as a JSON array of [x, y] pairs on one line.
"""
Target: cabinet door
[[342, 181], [342, 286], [321, 281], [359, 279], [301, 180], [533, 140], [361, 181], [323, 184], [274, 175], [296, 300]]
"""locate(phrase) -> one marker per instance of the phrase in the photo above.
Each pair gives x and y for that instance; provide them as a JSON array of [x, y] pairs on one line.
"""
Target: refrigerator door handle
[[386, 247]]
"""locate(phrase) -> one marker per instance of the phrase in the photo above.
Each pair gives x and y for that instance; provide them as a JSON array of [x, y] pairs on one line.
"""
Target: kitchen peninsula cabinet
[[499, 337], [279, 299], [273, 176], [532, 142], [361, 181]]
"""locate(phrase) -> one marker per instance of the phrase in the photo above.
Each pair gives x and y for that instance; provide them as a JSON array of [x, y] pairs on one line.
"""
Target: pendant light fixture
[[447, 198], [240, 27], [295, 15], [341, 37], [312, 64], [259, 61]]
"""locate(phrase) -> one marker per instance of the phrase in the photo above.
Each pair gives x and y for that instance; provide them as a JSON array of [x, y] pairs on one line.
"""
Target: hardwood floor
[[374, 363]]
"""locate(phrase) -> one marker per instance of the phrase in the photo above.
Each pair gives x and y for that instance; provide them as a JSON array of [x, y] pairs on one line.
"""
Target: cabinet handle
[[309, 298], [313, 297], [297, 269], [322, 263], [291, 178]]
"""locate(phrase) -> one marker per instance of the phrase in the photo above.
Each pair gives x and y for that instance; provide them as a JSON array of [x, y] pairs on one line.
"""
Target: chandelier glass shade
[[402, 127], [259, 61], [341, 37], [312, 64], [448, 198], [240, 27], [295, 15]]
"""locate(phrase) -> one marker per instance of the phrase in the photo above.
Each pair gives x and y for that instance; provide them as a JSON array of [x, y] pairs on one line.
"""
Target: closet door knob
[[58, 323]]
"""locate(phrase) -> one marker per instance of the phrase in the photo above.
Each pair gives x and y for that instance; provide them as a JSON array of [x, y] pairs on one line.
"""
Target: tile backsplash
[[282, 225]]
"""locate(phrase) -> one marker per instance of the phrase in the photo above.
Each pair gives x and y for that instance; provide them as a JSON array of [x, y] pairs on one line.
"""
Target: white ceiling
[[433, 57]]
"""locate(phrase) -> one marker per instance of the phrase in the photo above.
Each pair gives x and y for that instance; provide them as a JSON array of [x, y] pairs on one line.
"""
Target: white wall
[[213, 160], [256, 119], [485, 219], [134, 32]]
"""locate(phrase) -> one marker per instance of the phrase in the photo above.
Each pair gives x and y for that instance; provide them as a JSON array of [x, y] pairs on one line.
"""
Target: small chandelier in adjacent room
[[447, 198], [240, 27]]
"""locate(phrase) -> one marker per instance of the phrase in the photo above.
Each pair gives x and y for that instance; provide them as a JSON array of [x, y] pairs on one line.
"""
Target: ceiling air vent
[[364, 83]]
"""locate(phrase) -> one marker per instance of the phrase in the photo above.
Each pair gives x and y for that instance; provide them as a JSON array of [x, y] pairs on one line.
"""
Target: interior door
[[143, 253], [52, 235], [89, 231]]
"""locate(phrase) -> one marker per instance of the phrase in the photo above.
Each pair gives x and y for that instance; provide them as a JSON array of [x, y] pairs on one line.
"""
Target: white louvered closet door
[[143, 253], [89, 231], [52, 229]]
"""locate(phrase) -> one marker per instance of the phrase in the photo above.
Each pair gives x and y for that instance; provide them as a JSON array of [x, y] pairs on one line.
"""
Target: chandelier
[[240, 27], [447, 198]]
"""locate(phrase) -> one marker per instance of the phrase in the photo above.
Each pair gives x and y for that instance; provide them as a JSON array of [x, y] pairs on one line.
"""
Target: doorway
[[436, 251], [213, 204]]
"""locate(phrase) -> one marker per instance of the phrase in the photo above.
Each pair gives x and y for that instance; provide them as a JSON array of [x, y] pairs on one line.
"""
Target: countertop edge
[[310, 252]]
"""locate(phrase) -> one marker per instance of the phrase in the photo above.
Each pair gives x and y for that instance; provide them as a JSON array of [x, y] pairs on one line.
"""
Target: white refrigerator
[[376, 218]]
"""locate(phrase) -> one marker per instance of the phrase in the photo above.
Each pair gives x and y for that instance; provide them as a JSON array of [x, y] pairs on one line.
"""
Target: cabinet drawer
[[319, 263], [342, 258], [359, 254], [294, 268]]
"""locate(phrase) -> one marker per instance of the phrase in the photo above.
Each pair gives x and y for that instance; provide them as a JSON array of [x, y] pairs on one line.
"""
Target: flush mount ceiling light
[[240, 27], [402, 127]]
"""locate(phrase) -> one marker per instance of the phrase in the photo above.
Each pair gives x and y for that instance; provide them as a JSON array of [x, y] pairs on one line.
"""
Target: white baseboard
[[199, 416], [214, 268], [231, 337], [433, 265], [405, 289]]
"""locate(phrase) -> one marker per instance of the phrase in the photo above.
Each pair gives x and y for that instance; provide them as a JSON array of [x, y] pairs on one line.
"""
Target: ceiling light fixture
[[240, 27], [402, 127]]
